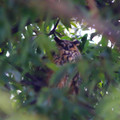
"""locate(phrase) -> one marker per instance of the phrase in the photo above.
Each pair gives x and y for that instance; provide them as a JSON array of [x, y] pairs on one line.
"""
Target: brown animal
[[68, 52]]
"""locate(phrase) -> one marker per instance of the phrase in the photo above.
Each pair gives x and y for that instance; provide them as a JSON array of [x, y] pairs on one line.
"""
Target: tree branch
[[88, 107], [35, 82]]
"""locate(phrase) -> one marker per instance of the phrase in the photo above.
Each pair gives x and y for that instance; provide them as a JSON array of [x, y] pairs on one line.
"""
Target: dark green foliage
[[27, 30]]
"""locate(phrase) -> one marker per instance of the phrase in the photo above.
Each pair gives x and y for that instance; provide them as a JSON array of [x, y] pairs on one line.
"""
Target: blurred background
[[27, 29]]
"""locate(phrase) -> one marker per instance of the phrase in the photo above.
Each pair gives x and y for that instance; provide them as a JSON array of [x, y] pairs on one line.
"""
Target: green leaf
[[66, 23], [104, 41]]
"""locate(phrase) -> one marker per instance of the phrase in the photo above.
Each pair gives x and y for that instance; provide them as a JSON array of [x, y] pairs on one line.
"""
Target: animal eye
[[70, 45], [63, 44]]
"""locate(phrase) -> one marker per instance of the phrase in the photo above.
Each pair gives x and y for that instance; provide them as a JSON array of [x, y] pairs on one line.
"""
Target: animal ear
[[76, 42]]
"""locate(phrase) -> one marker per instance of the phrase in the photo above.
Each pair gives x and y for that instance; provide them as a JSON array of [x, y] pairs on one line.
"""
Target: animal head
[[67, 45], [68, 51]]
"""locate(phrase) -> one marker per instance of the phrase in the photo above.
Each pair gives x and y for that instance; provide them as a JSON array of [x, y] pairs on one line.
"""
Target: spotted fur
[[68, 52]]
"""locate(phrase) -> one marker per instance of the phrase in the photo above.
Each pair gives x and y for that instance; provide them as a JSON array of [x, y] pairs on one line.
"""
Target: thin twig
[[93, 8], [34, 80], [88, 107]]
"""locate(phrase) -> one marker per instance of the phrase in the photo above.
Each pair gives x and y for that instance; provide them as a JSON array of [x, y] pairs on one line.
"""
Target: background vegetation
[[26, 44]]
